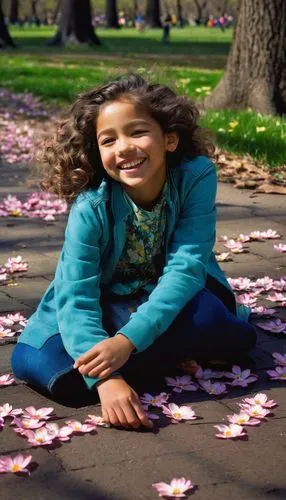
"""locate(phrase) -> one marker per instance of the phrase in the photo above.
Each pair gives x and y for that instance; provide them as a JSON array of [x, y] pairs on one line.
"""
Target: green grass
[[59, 82], [190, 65], [262, 137], [188, 42]]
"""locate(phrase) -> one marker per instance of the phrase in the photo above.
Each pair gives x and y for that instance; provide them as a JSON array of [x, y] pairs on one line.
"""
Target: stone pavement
[[121, 465]]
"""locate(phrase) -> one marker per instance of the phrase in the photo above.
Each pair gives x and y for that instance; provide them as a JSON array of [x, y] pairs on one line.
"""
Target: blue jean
[[205, 329]]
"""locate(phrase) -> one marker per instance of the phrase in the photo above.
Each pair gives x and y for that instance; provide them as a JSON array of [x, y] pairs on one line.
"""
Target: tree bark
[[5, 38], [153, 14], [255, 73], [135, 11], [56, 11], [35, 13], [200, 8], [179, 13], [75, 23], [14, 12], [111, 14]]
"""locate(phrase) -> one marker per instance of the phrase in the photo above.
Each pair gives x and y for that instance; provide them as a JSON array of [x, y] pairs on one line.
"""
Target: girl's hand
[[106, 357], [121, 405]]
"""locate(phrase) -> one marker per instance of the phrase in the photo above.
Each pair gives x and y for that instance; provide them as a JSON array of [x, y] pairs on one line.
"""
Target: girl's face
[[133, 149]]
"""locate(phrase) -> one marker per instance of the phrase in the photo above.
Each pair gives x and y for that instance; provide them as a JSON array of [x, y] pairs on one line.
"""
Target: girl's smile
[[133, 149]]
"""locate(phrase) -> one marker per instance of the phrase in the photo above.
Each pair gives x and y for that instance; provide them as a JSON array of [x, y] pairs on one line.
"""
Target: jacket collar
[[120, 206]]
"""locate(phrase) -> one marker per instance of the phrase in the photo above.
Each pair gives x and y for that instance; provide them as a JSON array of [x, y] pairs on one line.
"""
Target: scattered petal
[[256, 235], [152, 416], [280, 248], [6, 332], [77, 426], [244, 238], [260, 399], [270, 234], [213, 388], [6, 410], [224, 257], [177, 413], [6, 379], [41, 414], [266, 283], [255, 411], [180, 384], [235, 246], [240, 283], [156, 400], [240, 377], [279, 359], [176, 489], [61, 433], [242, 419], [96, 420], [230, 431], [276, 297], [275, 326], [247, 299], [17, 464], [26, 423], [39, 437], [207, 374], [37, 204], [262, 311], [279, 373]]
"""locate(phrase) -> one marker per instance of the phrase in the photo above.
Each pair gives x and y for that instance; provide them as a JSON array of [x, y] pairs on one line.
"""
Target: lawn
[[191, 64], [190, 41]]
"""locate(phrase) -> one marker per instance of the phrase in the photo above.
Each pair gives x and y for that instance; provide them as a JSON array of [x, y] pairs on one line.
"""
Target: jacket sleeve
[[77, 290], [184, 274]]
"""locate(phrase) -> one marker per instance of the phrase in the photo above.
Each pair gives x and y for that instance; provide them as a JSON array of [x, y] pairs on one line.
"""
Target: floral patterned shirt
[[142, 258]]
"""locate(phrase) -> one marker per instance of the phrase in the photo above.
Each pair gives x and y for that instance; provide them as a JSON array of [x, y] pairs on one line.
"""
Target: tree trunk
[[5, 38], [135, 12], [255, 74], [200, 8], [56, 11], [111, 14], [179, 13], [153, 14], [14, 12], [75, 23], [35, 13]]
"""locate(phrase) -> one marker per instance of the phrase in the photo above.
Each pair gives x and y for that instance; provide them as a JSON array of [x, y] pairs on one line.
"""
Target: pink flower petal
[[229, 431], [260, 399], [279, 373], [280, 248], [279, 359], [176, 489], [77, 426], [6, 379], [96, 420], [16, 464], [275, 326], [213, 388]]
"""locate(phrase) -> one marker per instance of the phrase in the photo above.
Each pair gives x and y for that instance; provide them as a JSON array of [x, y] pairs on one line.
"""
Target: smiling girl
[[137, 288]]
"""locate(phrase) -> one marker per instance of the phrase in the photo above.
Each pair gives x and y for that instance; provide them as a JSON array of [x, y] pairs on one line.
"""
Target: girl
[[137, 288]]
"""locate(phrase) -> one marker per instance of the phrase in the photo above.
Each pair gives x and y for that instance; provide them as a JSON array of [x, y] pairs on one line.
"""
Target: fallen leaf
[[271, 189]]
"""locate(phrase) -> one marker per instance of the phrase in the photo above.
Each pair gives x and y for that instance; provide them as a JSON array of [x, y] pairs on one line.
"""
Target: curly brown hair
[[72, 159]]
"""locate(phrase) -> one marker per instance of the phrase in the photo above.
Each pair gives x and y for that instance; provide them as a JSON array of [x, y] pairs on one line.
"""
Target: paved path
[[122, 465]]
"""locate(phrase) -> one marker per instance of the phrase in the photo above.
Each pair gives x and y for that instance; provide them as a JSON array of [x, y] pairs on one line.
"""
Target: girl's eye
[[139, 132], [106, 141]]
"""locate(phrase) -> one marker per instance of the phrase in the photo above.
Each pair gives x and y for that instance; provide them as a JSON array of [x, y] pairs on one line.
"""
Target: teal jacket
[[94, 239]]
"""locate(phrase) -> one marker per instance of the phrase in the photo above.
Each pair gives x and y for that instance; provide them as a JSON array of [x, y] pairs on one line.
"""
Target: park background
[[56, 70]]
